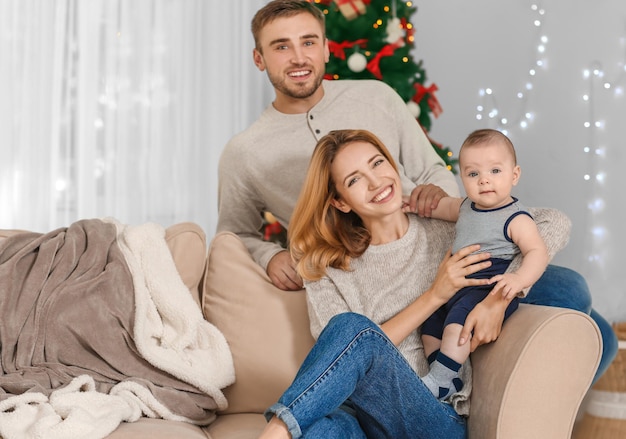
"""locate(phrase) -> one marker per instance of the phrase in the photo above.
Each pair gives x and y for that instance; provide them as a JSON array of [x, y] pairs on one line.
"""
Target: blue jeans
[[356, 384], [565, 288]]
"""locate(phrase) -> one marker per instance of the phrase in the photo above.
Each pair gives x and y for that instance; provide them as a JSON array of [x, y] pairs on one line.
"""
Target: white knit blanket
[[169, 332]]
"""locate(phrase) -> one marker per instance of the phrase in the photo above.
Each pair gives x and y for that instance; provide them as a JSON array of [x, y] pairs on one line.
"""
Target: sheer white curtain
[[121, 108]]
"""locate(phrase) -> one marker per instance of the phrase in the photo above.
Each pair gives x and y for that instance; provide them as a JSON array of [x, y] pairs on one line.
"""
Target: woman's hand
[[484, 321], [451, 276]]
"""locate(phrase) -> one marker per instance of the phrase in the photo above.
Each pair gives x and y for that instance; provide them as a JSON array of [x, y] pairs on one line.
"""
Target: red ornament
[[272, 229], [433, 102], [338, 49], [374, 65]]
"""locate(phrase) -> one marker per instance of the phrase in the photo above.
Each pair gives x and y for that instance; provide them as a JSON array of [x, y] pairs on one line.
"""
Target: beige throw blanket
[[97, 328]]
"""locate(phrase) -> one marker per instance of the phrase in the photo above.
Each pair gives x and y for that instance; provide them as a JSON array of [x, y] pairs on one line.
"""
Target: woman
[[372, 277]]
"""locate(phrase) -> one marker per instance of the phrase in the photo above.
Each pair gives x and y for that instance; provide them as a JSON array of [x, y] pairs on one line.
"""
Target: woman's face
[[366, 182]]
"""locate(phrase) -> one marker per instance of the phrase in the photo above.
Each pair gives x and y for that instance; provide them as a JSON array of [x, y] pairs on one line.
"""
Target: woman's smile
[[387, 193]]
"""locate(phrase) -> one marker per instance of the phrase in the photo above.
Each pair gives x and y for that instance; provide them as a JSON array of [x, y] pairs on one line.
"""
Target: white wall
[[467, 46]]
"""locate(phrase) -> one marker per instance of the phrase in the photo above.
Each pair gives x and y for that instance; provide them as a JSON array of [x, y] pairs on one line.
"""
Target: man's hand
[[485, 321], [282, 271], [424, 198]]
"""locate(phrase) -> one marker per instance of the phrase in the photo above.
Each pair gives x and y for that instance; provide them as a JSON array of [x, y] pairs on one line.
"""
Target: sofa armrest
[[187, 244], [531, 382]]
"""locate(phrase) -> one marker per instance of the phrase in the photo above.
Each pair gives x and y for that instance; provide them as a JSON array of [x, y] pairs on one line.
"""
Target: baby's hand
[[507, 284]]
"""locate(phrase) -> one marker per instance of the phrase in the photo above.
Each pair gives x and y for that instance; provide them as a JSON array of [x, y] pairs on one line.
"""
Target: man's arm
[[447, 209], [240, 208], [240, 211], [424, 198]]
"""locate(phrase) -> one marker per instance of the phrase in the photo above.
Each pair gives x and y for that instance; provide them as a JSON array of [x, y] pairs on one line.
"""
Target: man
[[262, 168]]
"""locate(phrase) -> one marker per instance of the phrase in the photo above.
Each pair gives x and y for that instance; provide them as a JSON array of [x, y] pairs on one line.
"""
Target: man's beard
[[297, 91]]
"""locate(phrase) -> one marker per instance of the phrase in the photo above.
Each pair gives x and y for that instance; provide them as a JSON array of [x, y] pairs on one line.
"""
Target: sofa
[[529, 383]]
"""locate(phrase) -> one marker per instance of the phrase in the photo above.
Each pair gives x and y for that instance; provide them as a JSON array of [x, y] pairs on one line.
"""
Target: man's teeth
[[302, 73]]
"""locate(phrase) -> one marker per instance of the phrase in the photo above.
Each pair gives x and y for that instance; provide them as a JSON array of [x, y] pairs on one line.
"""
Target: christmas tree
[[373, 39]]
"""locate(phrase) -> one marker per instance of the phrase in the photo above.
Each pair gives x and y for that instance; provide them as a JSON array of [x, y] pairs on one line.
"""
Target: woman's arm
[[324, 300], [451, 277]]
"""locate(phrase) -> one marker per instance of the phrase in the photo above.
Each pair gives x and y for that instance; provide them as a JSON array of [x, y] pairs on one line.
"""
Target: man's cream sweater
[[263, 168]]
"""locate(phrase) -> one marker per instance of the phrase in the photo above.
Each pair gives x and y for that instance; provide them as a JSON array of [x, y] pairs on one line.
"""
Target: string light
[[488, 108], [596, 151]]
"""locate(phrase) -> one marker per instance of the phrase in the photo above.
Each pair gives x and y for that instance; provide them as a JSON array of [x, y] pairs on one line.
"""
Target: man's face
[[294, 52]]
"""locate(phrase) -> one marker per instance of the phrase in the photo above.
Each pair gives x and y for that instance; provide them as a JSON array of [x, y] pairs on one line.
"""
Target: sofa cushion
[[147, 428], [236, 426], [267, 328]]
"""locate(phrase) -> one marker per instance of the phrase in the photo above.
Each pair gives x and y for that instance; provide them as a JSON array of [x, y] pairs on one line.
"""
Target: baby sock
[[432, 357], [443, 379]]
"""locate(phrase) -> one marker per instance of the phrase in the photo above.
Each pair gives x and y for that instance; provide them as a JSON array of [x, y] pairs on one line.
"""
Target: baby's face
[[488, 172]]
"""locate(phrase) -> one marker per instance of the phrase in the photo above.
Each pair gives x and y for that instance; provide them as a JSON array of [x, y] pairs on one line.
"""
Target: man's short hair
[[280, 9]]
